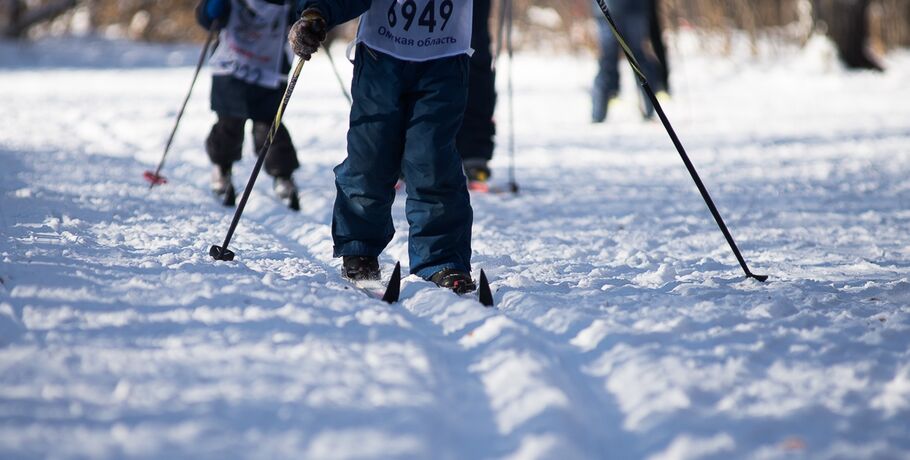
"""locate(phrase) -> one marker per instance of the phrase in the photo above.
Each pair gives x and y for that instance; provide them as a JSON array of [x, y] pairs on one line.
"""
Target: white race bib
[[254, 43], [418, 30]]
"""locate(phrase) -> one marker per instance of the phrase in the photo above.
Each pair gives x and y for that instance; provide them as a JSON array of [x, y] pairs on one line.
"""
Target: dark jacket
[[336, 12]]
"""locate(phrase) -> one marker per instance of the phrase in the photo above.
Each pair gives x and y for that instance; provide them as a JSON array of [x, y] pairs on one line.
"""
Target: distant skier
[[249, 69], [475, 139], [633, 18], [410, 90]]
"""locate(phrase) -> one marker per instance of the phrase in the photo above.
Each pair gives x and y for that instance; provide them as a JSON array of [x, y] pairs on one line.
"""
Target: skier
[[410, 90], [475, 139], [633, 19], [249, 69]]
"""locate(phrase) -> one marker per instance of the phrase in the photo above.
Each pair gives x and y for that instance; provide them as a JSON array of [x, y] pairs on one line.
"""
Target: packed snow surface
[[624, 326]]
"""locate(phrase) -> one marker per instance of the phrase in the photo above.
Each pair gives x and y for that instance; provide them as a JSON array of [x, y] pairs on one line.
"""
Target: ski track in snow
[[624, 326]]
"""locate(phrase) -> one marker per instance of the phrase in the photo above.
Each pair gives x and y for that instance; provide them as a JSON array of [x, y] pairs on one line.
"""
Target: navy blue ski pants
[[403, 122]]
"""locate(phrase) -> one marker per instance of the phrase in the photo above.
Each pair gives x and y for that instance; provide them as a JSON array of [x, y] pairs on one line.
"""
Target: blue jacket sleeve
[[209, 10], [336, 12]]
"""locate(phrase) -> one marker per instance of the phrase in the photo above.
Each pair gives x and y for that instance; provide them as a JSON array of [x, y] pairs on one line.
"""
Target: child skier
[[410, 90], [249, 69]]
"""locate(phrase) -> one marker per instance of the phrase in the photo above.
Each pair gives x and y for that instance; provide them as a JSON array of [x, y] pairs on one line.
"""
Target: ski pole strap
[[622, 42]]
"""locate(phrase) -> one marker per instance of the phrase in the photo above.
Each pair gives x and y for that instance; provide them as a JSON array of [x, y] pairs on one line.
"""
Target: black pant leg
[[475, 139], [281, 160], [224, 144]]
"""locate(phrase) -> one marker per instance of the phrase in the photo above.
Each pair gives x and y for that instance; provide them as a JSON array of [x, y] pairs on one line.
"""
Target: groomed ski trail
[[623, 326]]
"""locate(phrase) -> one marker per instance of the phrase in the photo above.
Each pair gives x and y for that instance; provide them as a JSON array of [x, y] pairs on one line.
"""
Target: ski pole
[[504, 37], [513, 184], [344, 89], [155, 178], [500, 32], [636, 67], [222, 252]]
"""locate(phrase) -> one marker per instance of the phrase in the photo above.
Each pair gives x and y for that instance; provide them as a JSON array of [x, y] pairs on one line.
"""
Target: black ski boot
[[456, 280], [222, 187], [287, 192], [361, 268]]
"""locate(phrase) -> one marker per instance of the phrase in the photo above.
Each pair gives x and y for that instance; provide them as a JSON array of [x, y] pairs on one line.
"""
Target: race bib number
[[254, 43], [418, 30]]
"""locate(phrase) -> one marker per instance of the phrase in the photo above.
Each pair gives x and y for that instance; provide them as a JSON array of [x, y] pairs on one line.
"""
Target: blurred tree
[[550, 24], [17, 16], [847, 23]]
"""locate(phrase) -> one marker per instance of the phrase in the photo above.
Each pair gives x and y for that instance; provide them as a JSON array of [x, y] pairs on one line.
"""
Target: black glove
[[307, 33]]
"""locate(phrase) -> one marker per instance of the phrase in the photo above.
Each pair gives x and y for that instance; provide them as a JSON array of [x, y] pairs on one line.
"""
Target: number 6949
[[427, 17]]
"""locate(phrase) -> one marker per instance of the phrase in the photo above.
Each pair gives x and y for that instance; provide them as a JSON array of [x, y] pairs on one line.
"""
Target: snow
[[624, 326]]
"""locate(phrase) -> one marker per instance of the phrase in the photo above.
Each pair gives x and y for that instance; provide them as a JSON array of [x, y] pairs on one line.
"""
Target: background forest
[[861, 29]]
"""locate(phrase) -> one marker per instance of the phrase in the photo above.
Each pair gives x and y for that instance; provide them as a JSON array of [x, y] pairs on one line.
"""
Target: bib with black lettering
[[253, 46], [418, 30]]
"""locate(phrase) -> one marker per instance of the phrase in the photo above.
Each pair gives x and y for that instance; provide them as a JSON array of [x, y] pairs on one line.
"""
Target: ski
[[488, 189], [480, 186], [482, 295], [388, 293]]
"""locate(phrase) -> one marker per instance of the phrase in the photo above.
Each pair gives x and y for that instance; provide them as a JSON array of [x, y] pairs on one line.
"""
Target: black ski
[[484, 295]]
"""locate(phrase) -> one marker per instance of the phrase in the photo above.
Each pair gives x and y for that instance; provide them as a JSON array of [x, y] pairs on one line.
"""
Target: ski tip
[[154, 179], [220, 253], [761, 278], [479, 186], [485, 295], [393, 290]]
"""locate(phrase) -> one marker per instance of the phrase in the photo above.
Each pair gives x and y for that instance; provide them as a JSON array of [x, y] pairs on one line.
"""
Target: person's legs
[[438, 207], [365, 181], [637, 33], [657, 44], [224, 144], [281, 160], [606, 83], [262, 104], [475, 141]]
